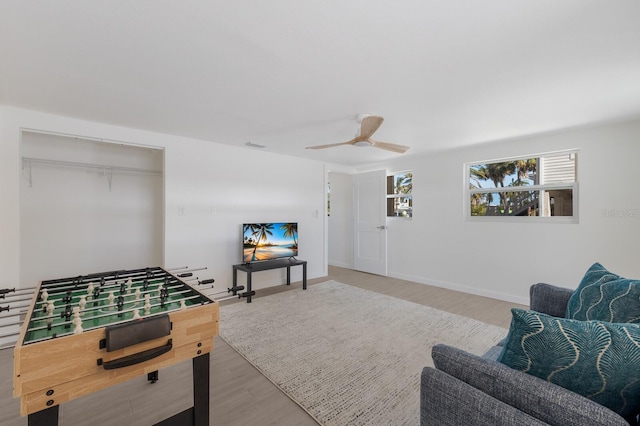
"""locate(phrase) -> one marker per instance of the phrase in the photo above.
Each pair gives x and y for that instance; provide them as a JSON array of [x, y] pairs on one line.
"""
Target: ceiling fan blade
[[369, 125], [390, 146], [331, 145]]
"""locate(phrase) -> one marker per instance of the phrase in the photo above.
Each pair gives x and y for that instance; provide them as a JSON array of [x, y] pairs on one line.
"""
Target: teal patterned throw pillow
[[596, 359], [605, 296]]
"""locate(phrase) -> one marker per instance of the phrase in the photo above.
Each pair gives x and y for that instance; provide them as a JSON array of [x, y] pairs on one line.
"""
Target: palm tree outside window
[[399, 194], [544, 185]]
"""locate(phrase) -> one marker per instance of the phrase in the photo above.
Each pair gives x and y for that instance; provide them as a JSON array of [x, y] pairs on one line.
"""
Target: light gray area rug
[[348, 356]]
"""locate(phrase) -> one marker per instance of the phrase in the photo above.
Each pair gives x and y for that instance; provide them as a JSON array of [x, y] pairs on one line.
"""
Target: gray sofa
[[464, 389]]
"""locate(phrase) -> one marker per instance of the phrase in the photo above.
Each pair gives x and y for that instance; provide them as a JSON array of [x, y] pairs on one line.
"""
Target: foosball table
[[87, 333]]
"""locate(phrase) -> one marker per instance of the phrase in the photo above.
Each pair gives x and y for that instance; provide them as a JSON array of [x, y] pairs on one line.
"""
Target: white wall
[[220, 187], [200, 176], [9, 203], [82, 220], [340, 222], [503, 259], [436, 247]]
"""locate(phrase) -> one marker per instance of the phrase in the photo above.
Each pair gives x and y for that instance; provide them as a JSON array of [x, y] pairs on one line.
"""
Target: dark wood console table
[[249, 268]]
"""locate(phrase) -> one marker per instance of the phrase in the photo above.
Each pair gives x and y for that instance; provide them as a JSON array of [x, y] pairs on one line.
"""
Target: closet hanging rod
[[104, 167]]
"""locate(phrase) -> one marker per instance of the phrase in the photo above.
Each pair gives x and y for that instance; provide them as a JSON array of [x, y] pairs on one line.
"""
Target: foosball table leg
[[47, 417], [198, 415], [201, 390]]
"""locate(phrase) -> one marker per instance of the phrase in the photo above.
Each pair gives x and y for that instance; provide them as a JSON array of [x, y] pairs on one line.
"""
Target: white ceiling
[[289, 73]]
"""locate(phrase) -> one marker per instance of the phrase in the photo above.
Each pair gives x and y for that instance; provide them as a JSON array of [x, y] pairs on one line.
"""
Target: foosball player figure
[[164, 294], [67, 315], [82, 303], [120, 305], [67, 298], [96, 295]]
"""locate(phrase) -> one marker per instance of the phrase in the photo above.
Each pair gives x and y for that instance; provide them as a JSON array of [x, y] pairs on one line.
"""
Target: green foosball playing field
[[87, 333], [74, 305]]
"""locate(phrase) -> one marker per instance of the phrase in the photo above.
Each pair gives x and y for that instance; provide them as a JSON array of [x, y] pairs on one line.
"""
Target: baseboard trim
[[463, 288], [340, 264]]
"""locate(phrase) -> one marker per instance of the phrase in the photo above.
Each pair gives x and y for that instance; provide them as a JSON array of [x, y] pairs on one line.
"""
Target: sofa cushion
[[605, 296], [447, 401], [596, 359], [549, 299], [493, 352], [536, 397]]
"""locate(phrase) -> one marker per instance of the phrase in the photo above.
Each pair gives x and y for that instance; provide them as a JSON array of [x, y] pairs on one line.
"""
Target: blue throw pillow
[[596, 359], [605, 296]]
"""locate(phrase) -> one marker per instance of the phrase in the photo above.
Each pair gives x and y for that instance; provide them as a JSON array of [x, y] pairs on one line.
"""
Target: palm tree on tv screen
[[291, 231], [261, 231]]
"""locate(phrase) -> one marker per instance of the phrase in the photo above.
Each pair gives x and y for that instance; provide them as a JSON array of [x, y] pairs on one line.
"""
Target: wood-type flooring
[[240, 395]]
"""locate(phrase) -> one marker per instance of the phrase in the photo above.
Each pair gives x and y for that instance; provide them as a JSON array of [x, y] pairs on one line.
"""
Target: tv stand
[[249, 268]]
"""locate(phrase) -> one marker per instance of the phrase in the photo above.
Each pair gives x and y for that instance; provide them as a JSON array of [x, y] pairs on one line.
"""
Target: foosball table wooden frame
[[50, 372]]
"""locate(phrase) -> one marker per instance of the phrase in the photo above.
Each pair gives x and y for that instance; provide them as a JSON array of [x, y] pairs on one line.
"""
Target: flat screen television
[[269, 241]]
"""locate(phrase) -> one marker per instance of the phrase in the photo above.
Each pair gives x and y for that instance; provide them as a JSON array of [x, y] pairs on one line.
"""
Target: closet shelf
[[108, 170]]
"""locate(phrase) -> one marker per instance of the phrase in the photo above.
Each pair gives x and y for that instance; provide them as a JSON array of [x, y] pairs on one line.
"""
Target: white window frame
[[394, 196], [542, 187]]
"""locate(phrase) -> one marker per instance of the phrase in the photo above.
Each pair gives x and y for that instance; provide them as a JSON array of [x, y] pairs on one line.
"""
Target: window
[[544, 185], [399, 198]]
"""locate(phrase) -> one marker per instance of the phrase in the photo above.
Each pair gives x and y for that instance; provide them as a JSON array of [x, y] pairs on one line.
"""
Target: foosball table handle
[[4, 291], [136, 358]]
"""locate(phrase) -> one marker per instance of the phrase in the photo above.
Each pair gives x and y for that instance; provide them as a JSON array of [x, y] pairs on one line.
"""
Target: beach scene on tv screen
[[267, 241]]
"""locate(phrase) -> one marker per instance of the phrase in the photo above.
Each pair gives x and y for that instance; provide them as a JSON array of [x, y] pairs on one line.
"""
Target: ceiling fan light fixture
[[362, 143], [368, 126]]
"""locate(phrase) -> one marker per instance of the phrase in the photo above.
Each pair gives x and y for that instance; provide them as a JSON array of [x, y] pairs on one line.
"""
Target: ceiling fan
[[368, 125]]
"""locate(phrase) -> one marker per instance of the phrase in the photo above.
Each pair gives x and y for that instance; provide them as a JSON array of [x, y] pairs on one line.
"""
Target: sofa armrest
[[543, 400], [447, 401], [549, 299]]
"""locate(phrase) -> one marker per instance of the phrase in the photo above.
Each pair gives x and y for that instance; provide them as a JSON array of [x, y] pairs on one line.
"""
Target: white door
[[370, 228]]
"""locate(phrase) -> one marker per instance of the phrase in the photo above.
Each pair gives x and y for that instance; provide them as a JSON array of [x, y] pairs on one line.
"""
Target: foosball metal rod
[[216, 292], [100, 316], [207, 282], [105, 289], [17, 291], [110, 313], [12, 305], [104, 298], [60, 308], [226, 295], [10, 299], [112, 282], [188, 278], [149, 273], [14, 314], [222, 299], [177, 269], [190, 270], [2, 336], [11, 323], [109, 285]]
